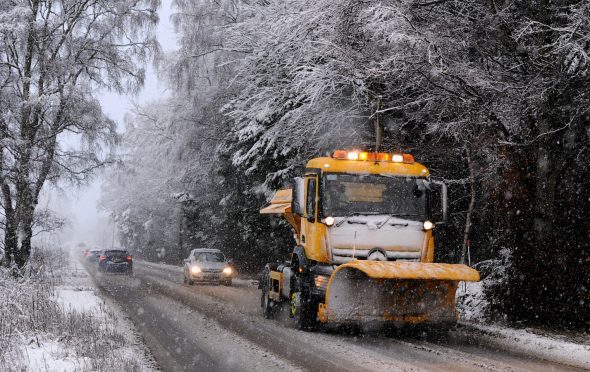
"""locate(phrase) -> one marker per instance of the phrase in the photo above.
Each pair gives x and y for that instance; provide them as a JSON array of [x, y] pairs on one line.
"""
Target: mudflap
[[393, 292]]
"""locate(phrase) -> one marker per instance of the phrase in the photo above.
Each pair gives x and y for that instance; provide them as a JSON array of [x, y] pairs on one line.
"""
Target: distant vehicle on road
[[93, 255], [207, 265], [115, 260]]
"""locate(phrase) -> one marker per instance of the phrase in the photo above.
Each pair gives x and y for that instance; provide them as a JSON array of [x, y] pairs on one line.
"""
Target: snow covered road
[[209, 327]]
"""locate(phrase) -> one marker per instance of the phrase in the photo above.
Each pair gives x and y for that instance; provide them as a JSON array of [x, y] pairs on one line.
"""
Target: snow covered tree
[[54, 55]]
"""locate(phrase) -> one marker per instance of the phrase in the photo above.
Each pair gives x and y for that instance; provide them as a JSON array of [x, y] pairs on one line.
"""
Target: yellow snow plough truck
[[364, 245]]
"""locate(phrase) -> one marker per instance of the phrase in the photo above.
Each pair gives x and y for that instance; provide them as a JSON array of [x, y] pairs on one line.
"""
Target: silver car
[[207, 265]]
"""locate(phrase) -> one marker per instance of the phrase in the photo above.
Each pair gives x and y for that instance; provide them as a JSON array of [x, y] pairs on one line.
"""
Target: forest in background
[[492, 96]]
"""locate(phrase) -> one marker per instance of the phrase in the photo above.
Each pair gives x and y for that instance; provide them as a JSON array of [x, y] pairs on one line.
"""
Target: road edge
[[134, 337], [543, 347]]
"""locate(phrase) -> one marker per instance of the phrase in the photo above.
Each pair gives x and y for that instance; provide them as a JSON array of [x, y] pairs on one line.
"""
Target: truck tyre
[[303, 309], [268, 305]]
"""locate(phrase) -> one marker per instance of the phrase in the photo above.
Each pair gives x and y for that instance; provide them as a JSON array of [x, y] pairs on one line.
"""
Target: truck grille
[[344, 255]]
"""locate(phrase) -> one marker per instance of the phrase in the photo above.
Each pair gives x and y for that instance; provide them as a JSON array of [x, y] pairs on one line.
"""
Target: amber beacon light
[[373, 156]]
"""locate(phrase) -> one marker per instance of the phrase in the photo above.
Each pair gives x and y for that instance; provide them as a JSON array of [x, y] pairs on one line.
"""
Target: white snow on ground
[[80, 294], [45, 352], [471, 304], [50, 355], [78, 299], [541, 346]]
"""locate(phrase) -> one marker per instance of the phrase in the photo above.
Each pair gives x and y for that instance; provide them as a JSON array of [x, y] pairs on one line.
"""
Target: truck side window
[[310, 205]]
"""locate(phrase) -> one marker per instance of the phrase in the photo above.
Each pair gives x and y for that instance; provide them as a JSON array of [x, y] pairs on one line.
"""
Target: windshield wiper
[[356, 214], [396, 215]]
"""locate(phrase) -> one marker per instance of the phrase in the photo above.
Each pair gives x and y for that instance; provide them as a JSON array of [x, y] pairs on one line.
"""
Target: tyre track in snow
[[459, 352], [304, 349], [236, 311]]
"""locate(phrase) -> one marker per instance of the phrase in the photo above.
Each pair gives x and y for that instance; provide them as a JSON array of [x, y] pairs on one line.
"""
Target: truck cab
[[365, 210]]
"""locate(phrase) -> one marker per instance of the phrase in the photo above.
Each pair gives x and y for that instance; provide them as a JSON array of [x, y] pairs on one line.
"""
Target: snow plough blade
[[393, 292]]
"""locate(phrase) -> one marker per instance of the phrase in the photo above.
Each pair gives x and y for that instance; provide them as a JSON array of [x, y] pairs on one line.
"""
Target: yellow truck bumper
[[399, 292]]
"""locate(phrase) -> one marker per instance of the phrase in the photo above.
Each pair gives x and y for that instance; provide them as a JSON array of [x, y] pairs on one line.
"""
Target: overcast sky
[[88, 224]]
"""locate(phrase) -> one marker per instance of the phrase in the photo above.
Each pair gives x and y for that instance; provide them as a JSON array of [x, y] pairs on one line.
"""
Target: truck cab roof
[[328, 165]]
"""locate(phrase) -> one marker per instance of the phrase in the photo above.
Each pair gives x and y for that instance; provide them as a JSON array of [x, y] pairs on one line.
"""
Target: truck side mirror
[[298, 197], [443, 200]]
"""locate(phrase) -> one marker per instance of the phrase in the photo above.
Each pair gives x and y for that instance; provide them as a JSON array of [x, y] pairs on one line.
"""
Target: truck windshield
[[346, 194]]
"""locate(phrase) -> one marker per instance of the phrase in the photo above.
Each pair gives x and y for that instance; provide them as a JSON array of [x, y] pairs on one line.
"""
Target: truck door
[[310, 237]]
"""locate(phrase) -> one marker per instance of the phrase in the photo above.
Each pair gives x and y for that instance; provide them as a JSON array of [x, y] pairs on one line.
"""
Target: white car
[[207, 265]]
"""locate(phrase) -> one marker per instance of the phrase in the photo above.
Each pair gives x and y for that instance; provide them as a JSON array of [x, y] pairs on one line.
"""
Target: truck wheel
[[303, 310], [268, 305]]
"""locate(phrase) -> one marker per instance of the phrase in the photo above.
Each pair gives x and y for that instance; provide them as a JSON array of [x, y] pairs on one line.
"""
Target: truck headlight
[[227, 271], [428, 225], [329, 221], [195, 269]]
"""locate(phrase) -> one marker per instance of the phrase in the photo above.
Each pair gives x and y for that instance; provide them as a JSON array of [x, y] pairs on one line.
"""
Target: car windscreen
[[346, 194], [210, 257], [116, 253]]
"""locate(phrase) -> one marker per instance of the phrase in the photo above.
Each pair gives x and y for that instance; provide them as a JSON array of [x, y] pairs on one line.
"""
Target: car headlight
[[428, 225], [195, 269], [227, 271]]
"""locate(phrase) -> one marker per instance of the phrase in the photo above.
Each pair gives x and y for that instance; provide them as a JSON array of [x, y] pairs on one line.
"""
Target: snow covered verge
[[52, 320], [474, 308]]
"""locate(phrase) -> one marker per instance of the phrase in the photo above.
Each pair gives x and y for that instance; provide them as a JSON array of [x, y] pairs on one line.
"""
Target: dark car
[[115, 260]]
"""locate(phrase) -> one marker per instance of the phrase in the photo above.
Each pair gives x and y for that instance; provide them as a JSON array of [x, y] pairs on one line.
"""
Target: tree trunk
[[10, 237], [471, 207], [545, 182], [26, 234], [10, 225]]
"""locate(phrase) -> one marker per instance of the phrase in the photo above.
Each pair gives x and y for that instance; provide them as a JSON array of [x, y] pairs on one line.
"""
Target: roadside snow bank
[[52, 320], [560, 350], [49, 355], [77, 299], [473, 308]]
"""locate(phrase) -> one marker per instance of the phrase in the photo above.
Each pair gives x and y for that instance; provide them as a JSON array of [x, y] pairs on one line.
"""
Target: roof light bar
[[397, 158], [373, 156]]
